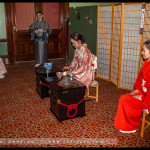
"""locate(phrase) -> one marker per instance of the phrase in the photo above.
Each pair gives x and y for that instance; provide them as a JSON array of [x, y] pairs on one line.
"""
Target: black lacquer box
[[41, 89], [66, 102]]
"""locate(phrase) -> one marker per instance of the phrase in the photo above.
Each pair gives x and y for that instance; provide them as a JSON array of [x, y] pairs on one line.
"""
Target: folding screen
[[115, 44], [146, 30], [118, 60], [104, 41], [130, 45]]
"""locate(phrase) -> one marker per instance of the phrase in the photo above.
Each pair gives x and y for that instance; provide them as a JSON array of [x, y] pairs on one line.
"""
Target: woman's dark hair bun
[[147, 44], [76, 36]]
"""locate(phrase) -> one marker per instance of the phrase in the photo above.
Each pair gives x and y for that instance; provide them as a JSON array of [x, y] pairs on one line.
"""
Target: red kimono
[[130, 109]]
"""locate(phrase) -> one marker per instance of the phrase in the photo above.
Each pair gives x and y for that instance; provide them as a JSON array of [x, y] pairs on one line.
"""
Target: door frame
[[64, 13]]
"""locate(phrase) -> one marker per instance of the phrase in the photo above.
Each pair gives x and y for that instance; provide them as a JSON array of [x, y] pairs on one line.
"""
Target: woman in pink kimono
[[81, 66], [2, 69]]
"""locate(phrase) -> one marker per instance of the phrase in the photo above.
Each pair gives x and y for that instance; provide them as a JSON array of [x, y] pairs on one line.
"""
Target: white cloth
[[2, 67], [144, 88], [94, 62]]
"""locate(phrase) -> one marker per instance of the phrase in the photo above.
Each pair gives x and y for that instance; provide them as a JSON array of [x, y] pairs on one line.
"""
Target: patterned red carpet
[[26, 120]]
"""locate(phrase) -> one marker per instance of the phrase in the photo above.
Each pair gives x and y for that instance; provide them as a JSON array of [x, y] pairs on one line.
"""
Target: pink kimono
[[81, 66]]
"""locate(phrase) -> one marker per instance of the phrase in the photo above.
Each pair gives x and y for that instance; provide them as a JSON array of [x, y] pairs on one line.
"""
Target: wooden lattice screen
[[119, 42], [116, 44], [146, 30], [130, 45], [104, 41]]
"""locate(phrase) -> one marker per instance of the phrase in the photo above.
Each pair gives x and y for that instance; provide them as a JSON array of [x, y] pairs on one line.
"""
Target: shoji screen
[[130, 45], [116, 43], [104, 41], [146, 30]]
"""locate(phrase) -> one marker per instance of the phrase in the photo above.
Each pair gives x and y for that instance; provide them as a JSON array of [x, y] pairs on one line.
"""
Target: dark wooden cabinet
[[71, 98]]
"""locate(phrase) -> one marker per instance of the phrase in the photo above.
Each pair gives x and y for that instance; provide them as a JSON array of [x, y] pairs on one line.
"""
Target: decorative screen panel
[[130, 45], [146, 30], [116, 44], [104, 41]]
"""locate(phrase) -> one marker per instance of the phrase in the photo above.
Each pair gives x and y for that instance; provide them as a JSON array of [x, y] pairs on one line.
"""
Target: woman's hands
[[66, 68], [139, 97]]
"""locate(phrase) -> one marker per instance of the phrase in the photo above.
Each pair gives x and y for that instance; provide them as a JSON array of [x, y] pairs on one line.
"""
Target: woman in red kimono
[[81, 66], [131, 105]]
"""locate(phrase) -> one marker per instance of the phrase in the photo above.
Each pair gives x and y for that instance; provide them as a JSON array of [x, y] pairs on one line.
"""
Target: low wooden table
[[43, 90], [66, 102]]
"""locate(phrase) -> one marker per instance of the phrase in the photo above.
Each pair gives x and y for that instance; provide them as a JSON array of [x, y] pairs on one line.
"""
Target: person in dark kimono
[[40, 32]]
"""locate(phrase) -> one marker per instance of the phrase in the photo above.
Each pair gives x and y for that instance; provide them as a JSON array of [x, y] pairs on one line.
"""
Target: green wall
[[3, 48], [2, 22], [3, 45], [83, 27]]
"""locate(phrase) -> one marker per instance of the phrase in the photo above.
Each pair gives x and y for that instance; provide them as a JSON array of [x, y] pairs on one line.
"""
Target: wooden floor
[[30, 63]]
